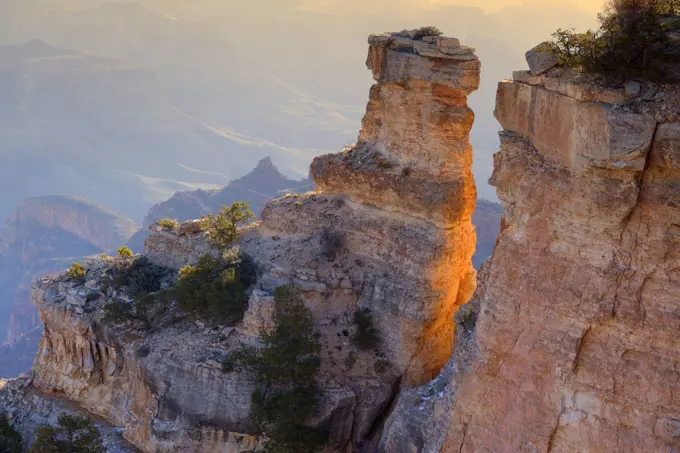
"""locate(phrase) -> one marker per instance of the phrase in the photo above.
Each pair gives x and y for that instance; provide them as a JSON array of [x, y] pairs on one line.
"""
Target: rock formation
[[388, 231], [403, 196], [570, 342], [29, 410]]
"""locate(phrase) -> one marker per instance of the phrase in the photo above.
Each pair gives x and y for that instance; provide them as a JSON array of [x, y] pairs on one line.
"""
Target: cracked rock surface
[[574, 345]]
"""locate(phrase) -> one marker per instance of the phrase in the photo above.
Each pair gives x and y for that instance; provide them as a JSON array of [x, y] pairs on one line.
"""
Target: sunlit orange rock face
[[570, 343], [412, 163]]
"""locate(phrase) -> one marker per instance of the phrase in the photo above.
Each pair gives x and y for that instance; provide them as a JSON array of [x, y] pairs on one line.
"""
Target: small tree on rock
[[125, 252], [73, 435], [630, 43], [286, 369], [222, 229], [76, 272], [10, 439]]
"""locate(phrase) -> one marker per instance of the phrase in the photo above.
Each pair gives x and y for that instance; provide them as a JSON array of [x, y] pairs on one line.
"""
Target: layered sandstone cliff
[[388, 231], [570, 342], [404, 196]]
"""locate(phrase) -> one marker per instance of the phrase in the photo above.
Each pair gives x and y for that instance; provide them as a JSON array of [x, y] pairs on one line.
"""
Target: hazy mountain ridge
[[45, 235], [81, 124], [264, 183]]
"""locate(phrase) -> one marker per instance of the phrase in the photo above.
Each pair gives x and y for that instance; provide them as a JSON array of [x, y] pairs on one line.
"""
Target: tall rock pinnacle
[[412, 165]]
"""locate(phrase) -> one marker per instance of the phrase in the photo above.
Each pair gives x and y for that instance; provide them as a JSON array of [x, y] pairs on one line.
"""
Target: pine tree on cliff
[[286, 367], [10, 439], [73, 435]]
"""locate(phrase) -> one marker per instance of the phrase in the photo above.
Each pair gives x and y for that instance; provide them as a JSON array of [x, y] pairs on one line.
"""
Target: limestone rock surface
[[570, 342], [403, 197], [541, 59]]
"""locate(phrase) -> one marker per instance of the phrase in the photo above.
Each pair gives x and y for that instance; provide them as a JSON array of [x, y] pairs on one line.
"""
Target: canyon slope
[[570, 342], [388, 230]]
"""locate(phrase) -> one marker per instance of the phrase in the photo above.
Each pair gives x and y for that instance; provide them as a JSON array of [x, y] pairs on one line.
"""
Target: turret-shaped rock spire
[[412, 164]]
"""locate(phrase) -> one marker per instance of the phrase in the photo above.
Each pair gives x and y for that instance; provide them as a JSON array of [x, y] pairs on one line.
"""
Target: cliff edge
[[570, 342]]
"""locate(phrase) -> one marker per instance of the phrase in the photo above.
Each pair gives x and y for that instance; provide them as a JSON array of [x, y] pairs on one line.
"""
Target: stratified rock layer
[[570, 343], [412, 196]]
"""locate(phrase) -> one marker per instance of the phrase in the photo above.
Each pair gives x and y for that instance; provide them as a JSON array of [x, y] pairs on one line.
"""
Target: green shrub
[[286, 369], [630, 43], [366, 337], [213, 289], [140, 279], [10, 439], [76, 272], [332, 243], [222, 229], [137, 277], [142, 310], [428, 30], [169, 224], [125, 252], [73, 435]]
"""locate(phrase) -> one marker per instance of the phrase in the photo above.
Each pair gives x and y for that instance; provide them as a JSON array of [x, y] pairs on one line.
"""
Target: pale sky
[[591, 6]]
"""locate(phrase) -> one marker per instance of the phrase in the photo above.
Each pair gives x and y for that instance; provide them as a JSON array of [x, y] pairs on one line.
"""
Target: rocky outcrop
[[402, 197], [388, 231], [44, 235], [168, 388], [570, 342], [29, 410], [165, 389]]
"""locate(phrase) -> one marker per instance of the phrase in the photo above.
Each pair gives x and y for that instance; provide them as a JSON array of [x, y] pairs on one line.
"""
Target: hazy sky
[[591, 6]]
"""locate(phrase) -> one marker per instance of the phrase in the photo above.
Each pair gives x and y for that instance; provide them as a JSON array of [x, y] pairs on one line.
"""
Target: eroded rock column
[[570, 343], [411, 167]]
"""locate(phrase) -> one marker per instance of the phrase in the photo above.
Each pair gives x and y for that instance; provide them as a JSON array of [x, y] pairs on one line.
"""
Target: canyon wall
[[570, 342], [389, 231]]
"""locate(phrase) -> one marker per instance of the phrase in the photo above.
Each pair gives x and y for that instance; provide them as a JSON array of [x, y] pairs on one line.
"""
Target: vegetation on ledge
[[138, 278], [125, 252], [169, 224], [286, 368], [76, 272], [631, 42], [214, 289], [73, 435], [222, 229], [10, 439]]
